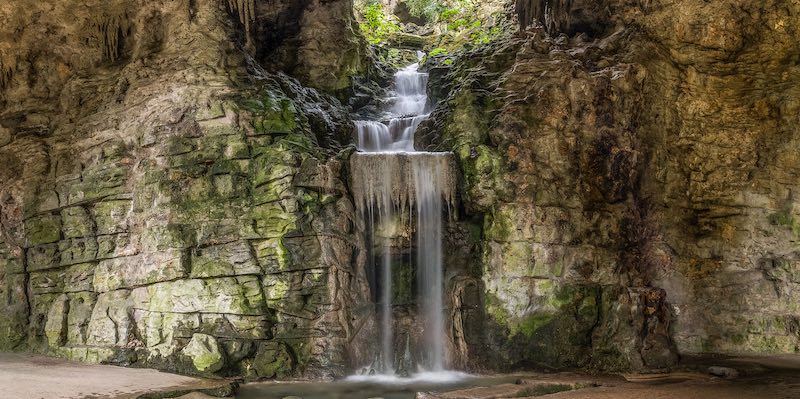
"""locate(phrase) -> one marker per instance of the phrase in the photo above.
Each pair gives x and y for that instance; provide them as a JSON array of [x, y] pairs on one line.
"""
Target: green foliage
[[427, 9], [464, 27], [485, 36], [462, 23], [377, 26], [437, 51], [449, 13]]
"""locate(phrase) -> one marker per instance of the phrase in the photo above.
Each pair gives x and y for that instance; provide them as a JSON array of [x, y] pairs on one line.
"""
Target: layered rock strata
[[165, 200]]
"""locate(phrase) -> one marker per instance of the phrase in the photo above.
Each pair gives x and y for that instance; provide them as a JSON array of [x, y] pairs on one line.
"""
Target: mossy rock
[[204, 350], [43, 229], [272, 113], [273, 360], [408, 41]]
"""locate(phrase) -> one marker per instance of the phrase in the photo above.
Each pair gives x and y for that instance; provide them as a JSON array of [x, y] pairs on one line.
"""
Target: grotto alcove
[[402, 197]]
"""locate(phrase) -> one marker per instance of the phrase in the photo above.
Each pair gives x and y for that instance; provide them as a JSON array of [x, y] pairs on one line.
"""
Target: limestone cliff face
[[634, 164], [172, 185], [164, 200]]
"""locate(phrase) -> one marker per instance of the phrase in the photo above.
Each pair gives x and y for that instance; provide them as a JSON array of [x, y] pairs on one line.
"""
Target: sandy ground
[[25, 376]]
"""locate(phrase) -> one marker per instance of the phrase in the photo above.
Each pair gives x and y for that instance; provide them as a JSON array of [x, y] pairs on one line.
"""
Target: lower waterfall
[[396, 187]]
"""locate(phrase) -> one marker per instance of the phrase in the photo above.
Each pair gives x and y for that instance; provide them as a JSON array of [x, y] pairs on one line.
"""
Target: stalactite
[[110, 30], [565, 16], [529, 11], [543, 12], [7, 66], [246, 9], [5, 75], [371, 185]]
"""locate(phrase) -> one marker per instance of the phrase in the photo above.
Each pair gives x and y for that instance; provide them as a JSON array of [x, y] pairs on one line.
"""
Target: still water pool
[[377, 386]]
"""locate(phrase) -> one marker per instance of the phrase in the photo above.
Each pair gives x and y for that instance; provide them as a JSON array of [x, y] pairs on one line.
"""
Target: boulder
[[205, 353]]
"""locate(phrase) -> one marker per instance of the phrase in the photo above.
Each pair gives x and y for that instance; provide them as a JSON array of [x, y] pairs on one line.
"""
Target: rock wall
[[316, 41], [165, 201], [634, 173]]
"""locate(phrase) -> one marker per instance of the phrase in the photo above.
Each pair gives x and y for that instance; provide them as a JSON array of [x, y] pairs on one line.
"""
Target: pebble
[[724, 372]]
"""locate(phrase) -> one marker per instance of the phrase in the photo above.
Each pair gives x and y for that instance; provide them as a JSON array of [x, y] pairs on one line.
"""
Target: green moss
[[43, 230], [220, 130], [403, 277], [298, 143], [273, 360], [310, 201], [273, 113], [496, 311], [499, 224], [272, 220], [767, 344], [786, 219], [437, 52], [532, 323], [84, 354], [518, 260], [205, 361], [377, 27], [205, 353], [278, 290], [476, 232], [483, 169]]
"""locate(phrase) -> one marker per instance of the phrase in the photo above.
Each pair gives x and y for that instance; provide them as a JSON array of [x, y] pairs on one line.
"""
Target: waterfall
[[429, 256], [391, 179], [410, 87]]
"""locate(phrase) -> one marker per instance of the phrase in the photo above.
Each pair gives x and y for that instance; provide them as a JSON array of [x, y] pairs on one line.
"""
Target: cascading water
[[392, 179], [409, 104]]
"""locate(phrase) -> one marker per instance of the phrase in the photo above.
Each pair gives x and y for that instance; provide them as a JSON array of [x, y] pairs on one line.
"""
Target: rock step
[[522, 388]]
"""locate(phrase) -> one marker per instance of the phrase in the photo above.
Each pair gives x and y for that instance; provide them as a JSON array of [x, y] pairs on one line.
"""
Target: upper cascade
[[410, 87], [408, 110]]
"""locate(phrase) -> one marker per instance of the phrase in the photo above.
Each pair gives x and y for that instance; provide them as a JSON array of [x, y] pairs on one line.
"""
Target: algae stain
[[786, 219]]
